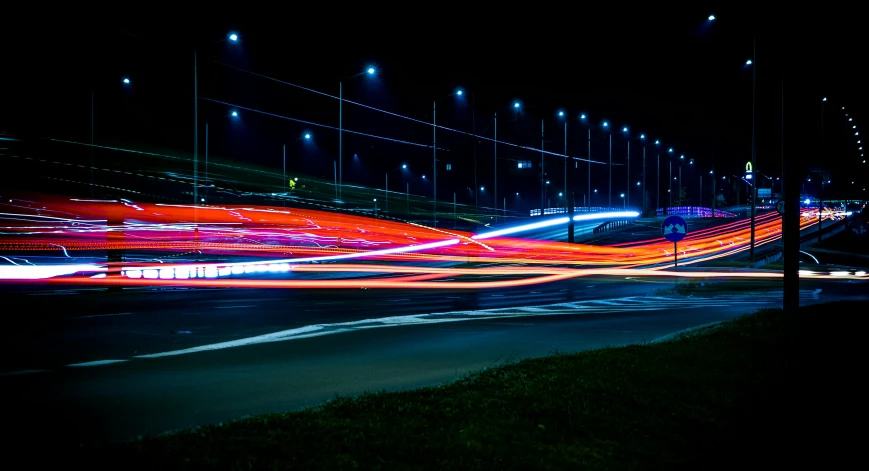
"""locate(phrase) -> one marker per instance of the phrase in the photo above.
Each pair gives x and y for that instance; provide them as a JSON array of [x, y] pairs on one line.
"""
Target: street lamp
[[584, 119], [606, 127], [370, 71], [624, 201], [233, 37], [126, 81], [234, 114], [711, 18], [561, 115]]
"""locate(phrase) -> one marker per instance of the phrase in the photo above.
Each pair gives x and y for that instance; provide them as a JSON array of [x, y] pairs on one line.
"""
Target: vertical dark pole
[[588, 190], [474, 140], [92, 143], [434, 131], [340, 140], [195, 132], [675, 255], [206, 163], [628, 172], [570, 224], [610, 198], [495, 194], [658, 186], [753, 145], [791, 223], [542, 173]]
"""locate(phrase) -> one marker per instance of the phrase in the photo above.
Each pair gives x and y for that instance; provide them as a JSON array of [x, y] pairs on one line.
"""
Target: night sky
[[669, 74]]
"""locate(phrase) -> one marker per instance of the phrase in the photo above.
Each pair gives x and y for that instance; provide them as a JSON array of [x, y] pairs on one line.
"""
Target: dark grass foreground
[[766, 390]]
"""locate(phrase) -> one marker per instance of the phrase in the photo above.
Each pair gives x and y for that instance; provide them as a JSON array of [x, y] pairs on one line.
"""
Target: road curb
[[674, 335]]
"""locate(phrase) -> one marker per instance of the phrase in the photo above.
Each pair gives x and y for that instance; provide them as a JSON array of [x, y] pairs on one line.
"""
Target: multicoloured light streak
[[182, 245]]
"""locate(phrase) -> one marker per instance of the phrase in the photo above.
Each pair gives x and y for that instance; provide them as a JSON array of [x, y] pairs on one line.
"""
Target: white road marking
[[609, 306], [95, 363], [105, 315]]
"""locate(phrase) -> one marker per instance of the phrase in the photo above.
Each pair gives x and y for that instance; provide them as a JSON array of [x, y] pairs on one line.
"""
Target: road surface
[[257, 351]]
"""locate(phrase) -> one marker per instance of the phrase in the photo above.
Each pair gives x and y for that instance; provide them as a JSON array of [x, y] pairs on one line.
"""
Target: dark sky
[[664, 72]]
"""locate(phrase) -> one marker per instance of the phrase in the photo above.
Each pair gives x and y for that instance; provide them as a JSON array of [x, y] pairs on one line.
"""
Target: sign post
[[674, 229]]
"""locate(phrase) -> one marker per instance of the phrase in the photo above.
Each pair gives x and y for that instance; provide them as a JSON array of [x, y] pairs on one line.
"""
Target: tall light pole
[[495, 189], [606, 127], [232, 37], [751, 62], [821, 194], [628, 162], [643, 189], [368, 71], [561, 115], [658, 185], [542, 172], [670, 177], [434, 129], [583, 118]]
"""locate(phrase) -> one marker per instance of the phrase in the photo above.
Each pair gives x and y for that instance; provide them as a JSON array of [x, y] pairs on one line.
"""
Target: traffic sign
[[780, 206], [674, 229]]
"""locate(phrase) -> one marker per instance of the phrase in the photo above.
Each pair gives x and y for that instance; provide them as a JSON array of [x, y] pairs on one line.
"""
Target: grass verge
[[755, 390]]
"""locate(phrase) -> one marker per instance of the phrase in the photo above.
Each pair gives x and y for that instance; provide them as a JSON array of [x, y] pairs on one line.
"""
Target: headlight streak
[[256, 231]]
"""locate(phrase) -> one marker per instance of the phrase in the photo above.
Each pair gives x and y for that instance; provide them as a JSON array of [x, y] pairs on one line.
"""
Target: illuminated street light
[[642, 136], [307, 135], [582, 116], [561, 114], [670, 150], [371, 70], [711, 17], [234, 114], [682, 157], [482, 188], [625, 129], [404, 166], [748, 62], [606, 124], [126, 81], [516, 105], [460, 92], [825, 99]]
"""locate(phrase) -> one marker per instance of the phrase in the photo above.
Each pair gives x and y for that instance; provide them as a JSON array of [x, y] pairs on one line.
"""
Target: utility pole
[[753, 141], [542, 173], [434, 130]]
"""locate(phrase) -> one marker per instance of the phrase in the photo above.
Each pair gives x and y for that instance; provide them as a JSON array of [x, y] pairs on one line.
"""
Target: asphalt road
[[289, 350]]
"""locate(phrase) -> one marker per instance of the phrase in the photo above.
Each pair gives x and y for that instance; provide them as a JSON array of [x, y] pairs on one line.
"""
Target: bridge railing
[[576, 209], [697, 211]]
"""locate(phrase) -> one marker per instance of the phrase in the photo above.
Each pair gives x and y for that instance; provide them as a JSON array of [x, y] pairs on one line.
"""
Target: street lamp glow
[[670, 150], [423, 177], [482, 188], [307, 135], [561, 114], [562, 194], [657, 142], [371, 71], [622, 195], [825, 99], [606, 124], [850, 119], [682, 156], [460, 92], [517, 193], [234, 114], [638, 183], [126, 80], [625, 129], [516, 105], [403, 165], [595, 190], [711, 17], [233, 37], [642, 136], [748, 62], [582, 116]]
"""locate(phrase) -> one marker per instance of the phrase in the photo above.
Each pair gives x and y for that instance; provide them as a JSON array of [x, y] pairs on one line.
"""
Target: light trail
[[284, 241]]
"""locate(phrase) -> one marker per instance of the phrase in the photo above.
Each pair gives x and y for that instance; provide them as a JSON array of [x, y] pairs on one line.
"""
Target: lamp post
[[606, 127], [658, 185], [670, 177], [370, 71], [753, 140], [561, 115], [584, 119], [232, 37]]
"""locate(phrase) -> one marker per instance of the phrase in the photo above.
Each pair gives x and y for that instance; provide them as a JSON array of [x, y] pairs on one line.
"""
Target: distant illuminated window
[[449, 166], [524, 164]]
